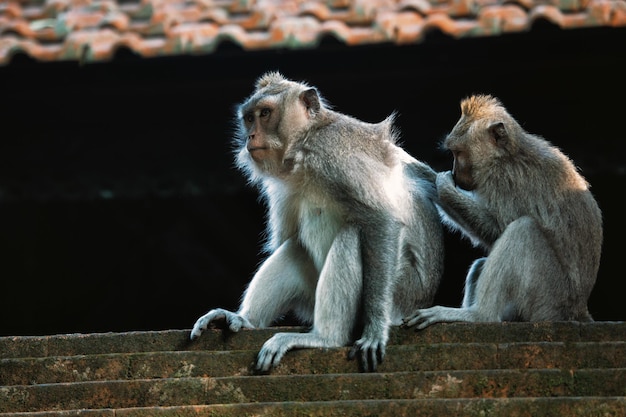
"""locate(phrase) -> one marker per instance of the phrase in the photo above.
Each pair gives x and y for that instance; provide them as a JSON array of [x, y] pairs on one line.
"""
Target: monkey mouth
[[253, 149], [257, 152]]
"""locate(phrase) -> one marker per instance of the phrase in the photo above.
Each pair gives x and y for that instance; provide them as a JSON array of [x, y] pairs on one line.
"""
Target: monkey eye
[[249, 117], [265, 112]]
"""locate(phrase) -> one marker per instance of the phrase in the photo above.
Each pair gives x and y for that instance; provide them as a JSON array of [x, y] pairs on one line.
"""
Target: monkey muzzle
[[258, 153]]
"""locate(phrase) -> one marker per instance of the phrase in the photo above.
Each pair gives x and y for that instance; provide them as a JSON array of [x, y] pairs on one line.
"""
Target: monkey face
[[259, 121], [462, 167], [462, 170], [270, 122], [257, 144]]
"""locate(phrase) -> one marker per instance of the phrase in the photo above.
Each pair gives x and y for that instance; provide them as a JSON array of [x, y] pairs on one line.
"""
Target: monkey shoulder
[[347, 149], [347, 131]]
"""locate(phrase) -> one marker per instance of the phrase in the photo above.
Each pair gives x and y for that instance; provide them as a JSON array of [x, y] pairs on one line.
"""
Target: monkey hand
[[234, 321], [369, 352], [273, 351], [437, 314], [451, 199], [445, 182], [420, 319]]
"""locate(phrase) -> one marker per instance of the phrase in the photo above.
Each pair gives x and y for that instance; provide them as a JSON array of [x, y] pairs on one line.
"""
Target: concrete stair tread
[[493, 369], [214, 339], [312, 388], [438, 356], [460, 407]]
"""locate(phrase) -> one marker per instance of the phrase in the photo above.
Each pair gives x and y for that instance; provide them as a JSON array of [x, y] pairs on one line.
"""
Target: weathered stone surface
[[509, 369], [311, 388], [176, 340], [400, 358], [501, 407]]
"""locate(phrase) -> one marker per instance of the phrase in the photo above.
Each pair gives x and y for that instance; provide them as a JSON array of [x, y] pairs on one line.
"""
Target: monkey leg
[[469, 294], [284, 279], [521, 279], [337, 302], [425, 317]]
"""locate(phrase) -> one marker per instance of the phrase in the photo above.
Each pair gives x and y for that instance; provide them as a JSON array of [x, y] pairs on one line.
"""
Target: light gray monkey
[[527, 205], [355, 242]]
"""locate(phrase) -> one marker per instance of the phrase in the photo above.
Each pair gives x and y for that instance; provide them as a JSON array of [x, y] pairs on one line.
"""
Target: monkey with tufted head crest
[[526, 204], [354, 240]]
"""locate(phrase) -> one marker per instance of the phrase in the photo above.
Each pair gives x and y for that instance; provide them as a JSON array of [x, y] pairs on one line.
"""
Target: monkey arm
[[464, 212], [337, 302], [286, 276], [379, 255]]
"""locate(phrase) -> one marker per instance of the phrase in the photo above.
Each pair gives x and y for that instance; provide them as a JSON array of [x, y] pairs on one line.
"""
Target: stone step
[[314, 388], [174, 340], [501, 369], [458, 407], [438, 356]]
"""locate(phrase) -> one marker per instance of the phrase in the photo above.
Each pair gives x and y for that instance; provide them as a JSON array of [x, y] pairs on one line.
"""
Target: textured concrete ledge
[[498, 407], [174, 340], [432, 357], [503, 369], [316, 388]]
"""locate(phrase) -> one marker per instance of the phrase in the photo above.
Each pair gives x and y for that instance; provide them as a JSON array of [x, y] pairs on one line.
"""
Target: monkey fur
[[354, 239], [524, 202]]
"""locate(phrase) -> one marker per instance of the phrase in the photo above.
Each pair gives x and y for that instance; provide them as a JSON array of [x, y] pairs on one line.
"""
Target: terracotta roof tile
[[92, 30]]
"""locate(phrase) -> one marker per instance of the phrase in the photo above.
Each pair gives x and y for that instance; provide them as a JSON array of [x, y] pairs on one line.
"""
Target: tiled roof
[[92, 30]]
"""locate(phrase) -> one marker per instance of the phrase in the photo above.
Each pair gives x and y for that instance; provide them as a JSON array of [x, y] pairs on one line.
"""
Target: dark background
[[120, 208]]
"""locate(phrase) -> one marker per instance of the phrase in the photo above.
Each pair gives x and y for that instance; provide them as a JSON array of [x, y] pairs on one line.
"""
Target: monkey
[[353, 237], [524, 202]]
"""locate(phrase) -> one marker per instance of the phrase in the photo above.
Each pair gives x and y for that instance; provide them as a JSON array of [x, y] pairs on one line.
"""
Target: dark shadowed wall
[[120, 208]]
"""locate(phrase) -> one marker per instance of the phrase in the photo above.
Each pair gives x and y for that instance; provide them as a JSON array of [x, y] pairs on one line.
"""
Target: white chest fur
[[319, 224]]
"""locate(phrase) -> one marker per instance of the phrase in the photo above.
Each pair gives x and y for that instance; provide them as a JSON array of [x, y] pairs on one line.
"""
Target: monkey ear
[[311, 100], [498, 133]]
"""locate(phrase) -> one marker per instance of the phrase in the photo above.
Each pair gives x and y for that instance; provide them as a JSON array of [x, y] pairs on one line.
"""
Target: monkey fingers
[[444, 178], [411, 321], [272, 352], [368, 353], [235, 321], [437, 314]]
